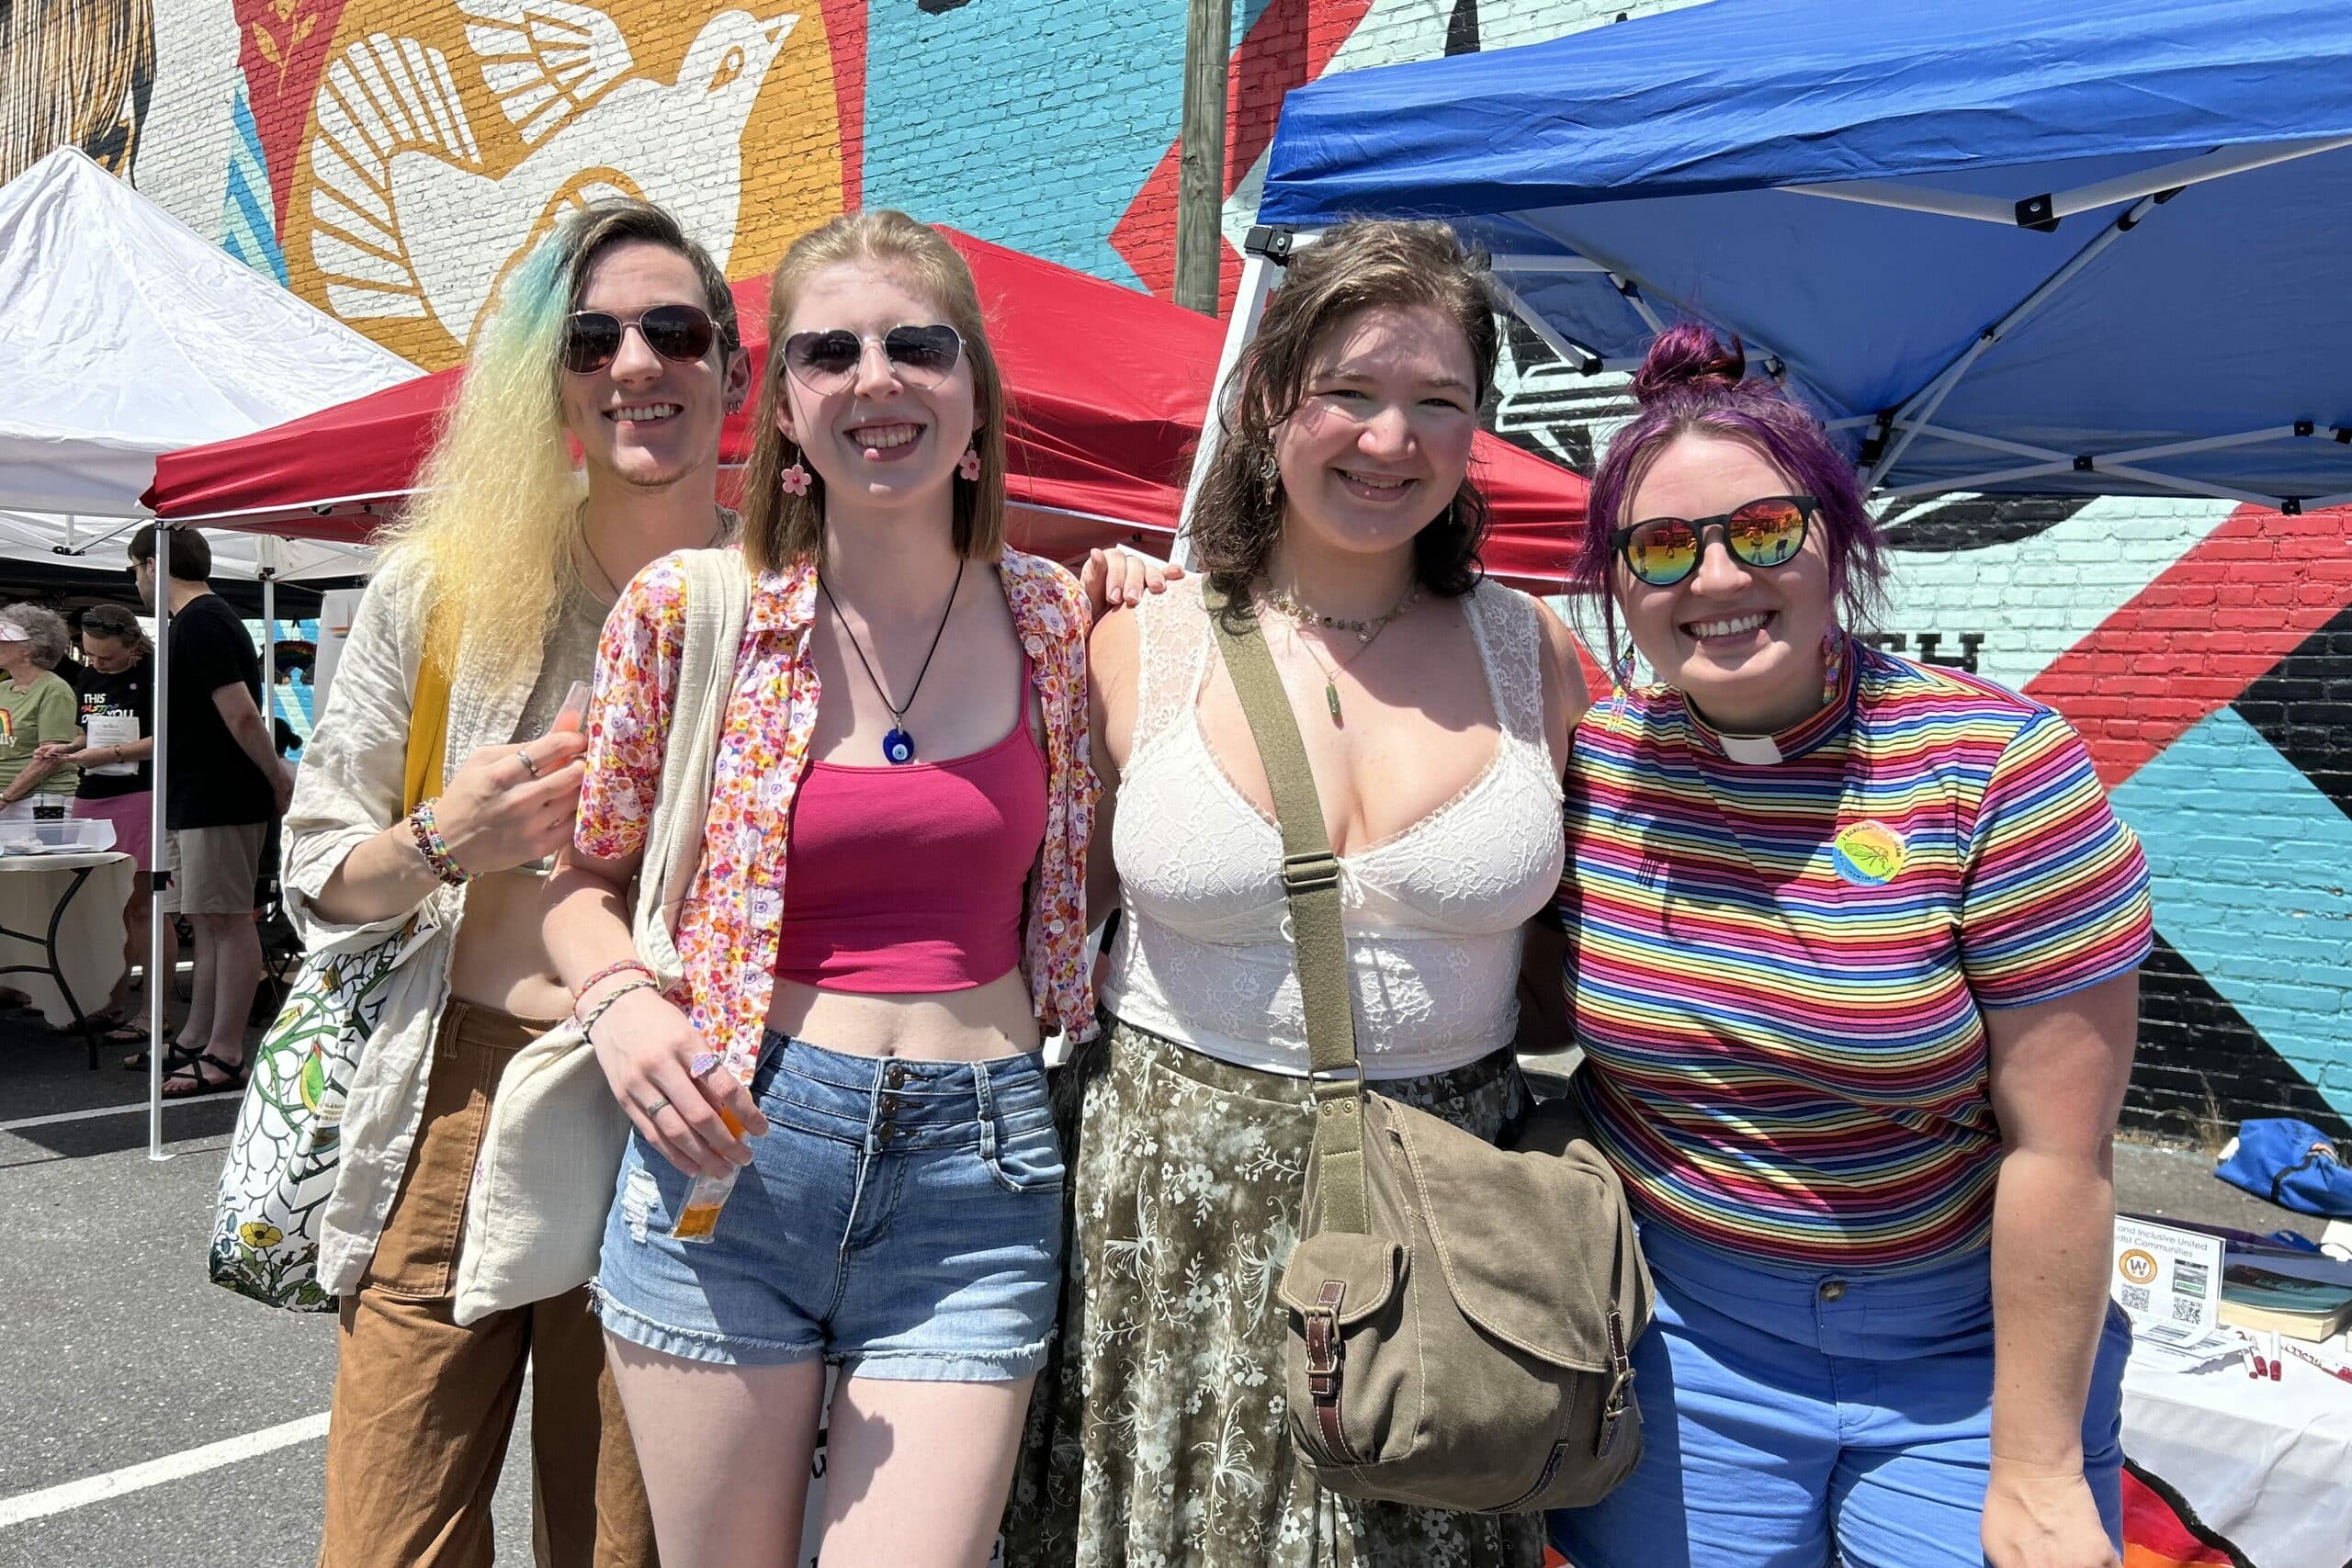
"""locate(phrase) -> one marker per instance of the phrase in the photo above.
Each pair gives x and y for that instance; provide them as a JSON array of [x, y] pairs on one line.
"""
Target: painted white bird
[[397, 155]]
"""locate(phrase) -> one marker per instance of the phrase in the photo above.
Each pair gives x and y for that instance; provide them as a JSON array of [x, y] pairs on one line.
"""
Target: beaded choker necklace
[[1362, 631]]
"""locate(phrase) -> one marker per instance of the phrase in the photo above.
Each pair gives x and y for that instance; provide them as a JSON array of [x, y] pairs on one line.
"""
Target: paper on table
[[2184, 1347]]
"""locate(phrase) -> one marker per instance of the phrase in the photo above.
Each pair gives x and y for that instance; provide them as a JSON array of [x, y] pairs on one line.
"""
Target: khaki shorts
[[214, 870]]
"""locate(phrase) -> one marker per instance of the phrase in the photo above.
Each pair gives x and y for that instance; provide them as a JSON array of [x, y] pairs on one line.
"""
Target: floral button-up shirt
[[727, 930]]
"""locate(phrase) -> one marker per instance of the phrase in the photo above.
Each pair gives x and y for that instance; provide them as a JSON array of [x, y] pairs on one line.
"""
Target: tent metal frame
[[1889, 435], [161, 982]]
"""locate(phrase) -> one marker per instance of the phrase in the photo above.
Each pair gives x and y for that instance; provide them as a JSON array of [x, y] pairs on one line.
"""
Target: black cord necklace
[[898, 746]]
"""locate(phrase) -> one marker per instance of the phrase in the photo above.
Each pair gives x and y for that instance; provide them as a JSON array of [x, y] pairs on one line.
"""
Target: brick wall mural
[[387, 159]]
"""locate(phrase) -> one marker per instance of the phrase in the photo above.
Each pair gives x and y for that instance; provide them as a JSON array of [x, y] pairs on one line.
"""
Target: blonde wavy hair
[[781, 530], [495, 527]]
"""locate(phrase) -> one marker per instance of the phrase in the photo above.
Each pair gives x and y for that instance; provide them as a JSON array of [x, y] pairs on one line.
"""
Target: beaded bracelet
[[624, 966], [588, 1024], [434, 848]]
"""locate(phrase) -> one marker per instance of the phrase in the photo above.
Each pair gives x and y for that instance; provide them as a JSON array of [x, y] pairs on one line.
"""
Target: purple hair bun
[[1688, 357]]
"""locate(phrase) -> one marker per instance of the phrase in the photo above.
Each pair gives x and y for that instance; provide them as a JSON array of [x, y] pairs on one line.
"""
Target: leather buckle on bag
[[1311, 872], [1324, 1356], [1614, 1411], [1323, 1342], [1620, 1383]]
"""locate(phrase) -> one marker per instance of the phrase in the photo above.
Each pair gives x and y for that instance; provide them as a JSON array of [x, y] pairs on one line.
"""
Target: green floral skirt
[[1156, 1435]]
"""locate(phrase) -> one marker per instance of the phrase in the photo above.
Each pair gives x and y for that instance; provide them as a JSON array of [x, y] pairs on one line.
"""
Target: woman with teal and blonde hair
[[618, 335]]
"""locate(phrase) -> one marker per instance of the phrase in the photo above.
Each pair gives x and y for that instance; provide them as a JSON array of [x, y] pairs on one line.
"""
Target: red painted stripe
[[1288, 46], [282, 54], [2217, 620], [845, 36]]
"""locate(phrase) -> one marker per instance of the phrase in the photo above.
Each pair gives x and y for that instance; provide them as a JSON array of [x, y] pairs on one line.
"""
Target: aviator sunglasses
[[592, 339], [1766, 532], [825, 362]]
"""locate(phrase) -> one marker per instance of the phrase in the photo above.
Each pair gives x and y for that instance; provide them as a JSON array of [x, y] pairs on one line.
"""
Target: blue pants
[[1797, 1418]]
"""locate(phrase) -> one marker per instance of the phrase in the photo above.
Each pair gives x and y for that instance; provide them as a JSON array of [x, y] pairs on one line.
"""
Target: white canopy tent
[[124, 334], [102, 543]]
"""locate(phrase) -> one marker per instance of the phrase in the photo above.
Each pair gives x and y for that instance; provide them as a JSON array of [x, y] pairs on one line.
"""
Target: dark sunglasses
[[825, 362], [1766, 533], [592, 339]]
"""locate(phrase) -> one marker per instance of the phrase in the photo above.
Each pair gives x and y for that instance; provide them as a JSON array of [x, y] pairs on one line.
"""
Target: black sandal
[[193, 1082], [176, 1056]]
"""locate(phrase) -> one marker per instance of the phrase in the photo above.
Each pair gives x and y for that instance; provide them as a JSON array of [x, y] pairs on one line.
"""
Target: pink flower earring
[[794, 481], [968, 466]]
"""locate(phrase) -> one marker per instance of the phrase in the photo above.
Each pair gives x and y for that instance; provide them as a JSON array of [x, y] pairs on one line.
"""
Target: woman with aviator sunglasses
[[1852, 955], [889, 916]]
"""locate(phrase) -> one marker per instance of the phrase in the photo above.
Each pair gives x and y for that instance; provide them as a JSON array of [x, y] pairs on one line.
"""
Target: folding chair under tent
[[124, 336], [2004, 246]]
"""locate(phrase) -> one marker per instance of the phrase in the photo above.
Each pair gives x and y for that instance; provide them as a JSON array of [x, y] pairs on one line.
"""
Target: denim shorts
[[1794, 1418], [901, 1219]]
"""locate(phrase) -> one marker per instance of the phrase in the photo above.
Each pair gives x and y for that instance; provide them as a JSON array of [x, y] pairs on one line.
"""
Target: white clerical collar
[[1753, 750]]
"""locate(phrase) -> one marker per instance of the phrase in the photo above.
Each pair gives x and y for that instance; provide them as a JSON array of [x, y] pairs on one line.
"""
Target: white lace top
[[1433, 914]]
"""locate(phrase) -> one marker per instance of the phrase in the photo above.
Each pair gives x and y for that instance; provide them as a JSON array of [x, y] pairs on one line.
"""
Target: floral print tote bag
[[287, 1146]]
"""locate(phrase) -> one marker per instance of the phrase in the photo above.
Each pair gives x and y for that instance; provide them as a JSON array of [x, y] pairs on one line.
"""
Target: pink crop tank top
[[913, 878]]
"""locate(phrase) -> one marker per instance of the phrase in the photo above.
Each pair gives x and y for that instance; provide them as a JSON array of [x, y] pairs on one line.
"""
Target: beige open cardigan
[[348, 790]]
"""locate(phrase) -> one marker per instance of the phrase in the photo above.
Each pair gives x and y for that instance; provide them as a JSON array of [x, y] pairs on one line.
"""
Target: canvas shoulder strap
[[718, 597], [1311, 889]]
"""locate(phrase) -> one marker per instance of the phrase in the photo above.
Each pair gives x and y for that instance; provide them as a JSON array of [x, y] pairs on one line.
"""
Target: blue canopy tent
[[2004, 246]]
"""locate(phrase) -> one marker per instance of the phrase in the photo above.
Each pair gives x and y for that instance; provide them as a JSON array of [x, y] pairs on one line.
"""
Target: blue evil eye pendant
[[898, 748]]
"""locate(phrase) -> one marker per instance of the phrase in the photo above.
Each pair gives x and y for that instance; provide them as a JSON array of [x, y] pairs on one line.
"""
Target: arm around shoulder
[[1114, 655], [1564, 695], [1114, 652]]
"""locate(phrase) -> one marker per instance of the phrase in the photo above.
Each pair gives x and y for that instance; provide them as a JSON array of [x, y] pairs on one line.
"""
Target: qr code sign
[[2186, 1309], [2135, 1298]]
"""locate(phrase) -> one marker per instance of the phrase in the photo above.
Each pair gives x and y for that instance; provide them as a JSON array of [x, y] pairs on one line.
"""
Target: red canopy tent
[[1109, 389]]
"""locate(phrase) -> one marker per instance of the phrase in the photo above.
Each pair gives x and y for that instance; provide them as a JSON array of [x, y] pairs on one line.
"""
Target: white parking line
[[140, 1105], [81, 1494]]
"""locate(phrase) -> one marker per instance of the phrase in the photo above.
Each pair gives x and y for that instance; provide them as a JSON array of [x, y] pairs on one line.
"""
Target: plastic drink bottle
[[698, 1216]]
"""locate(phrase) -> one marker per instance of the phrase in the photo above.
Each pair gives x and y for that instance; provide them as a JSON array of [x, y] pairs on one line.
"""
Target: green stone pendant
[[1331, 699]]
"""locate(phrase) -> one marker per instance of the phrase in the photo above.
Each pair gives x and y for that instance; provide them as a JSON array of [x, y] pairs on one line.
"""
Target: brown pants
[[423, 1408]]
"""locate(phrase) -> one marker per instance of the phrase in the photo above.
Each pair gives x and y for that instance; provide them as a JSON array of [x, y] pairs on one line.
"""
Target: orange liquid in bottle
[[698, 1218]]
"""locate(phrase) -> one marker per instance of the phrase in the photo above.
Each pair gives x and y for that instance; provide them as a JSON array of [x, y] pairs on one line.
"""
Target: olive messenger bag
[[1460, 1315]]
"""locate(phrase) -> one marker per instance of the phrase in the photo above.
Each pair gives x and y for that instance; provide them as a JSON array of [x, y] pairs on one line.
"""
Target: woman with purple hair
[[1853, 952]]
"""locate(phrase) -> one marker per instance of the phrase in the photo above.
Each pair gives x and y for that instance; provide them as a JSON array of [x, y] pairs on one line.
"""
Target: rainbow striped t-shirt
[[1778, 970]]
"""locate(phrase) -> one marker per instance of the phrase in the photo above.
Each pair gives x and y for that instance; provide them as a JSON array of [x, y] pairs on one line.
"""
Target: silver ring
[[655, 1108], [523, 756]]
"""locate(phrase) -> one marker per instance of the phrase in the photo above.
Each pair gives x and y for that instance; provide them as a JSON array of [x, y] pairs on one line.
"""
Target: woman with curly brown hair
[[1435, 709]]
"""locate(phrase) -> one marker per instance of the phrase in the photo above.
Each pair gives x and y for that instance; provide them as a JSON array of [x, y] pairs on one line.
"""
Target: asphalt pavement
[[117, 1355], [120, 1364]]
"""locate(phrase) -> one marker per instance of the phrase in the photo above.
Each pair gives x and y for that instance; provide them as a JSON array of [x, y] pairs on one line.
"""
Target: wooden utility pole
[[1200, 198]]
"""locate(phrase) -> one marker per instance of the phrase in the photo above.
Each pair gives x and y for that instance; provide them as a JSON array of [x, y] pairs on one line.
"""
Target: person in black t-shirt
[[222, 787], [113, 747]]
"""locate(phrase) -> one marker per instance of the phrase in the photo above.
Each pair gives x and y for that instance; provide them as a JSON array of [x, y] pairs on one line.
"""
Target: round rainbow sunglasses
[[1764, 533]]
